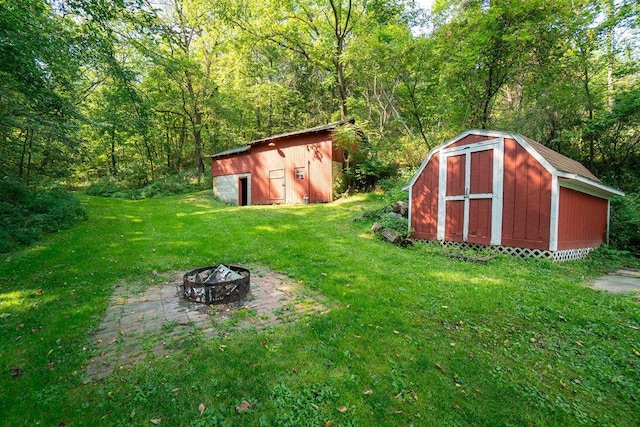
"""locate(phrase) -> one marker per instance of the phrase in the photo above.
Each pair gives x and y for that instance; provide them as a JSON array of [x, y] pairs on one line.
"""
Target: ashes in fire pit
[[217, 284]]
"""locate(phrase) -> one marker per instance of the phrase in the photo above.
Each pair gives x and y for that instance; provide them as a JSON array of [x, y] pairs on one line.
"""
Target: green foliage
[[27, 215], [173, 184], [396, 222], [624, 230], [366, 174]]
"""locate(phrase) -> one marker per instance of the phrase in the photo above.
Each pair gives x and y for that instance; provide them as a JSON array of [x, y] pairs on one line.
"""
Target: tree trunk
[[610, 42], [114, 164]]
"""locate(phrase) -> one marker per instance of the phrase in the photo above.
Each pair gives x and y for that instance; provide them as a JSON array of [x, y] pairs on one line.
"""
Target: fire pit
[[217, 284]]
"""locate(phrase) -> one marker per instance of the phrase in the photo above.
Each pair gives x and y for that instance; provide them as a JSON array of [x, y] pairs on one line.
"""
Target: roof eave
[[581, 183], [309, 131]]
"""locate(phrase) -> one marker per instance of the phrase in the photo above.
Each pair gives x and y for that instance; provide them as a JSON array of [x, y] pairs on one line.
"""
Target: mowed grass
[[413, 336]]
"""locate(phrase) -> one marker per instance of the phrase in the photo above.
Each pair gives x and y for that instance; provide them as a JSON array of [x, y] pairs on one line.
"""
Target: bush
[[625, 223], [27, 215], [366, 174], [396, 222], [173, 184]]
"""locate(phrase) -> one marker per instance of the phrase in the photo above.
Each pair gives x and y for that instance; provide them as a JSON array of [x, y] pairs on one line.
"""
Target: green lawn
[[412, 336]]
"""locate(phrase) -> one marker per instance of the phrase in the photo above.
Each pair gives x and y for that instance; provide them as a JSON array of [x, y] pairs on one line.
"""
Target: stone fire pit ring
[[216, 284]]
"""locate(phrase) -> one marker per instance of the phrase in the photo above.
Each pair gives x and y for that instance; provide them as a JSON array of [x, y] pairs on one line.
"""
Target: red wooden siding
[[526, 211], [513, 208], [481, 172], [311, 155], [424, 201], [481, 182], [469, 139], [231, 165], [453, 228], [455, 175], [582, 220], [295, 167]]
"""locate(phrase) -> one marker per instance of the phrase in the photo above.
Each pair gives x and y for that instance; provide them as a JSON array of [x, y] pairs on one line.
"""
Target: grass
[[412, 336]]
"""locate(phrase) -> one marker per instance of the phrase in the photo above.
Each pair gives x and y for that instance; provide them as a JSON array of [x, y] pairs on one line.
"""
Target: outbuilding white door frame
[[497, 145]]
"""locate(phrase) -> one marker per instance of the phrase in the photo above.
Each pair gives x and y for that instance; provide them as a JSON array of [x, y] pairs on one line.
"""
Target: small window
[[299, 173]]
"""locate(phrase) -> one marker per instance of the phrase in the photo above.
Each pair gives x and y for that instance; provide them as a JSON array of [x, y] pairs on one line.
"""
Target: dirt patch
[[618, 282], [139, 324]]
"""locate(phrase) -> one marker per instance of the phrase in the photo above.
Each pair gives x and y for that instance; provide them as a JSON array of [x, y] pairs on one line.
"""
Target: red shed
[[295, 167], [508, 191]]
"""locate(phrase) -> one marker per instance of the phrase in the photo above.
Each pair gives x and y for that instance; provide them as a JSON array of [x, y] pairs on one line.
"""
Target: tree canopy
[[142, 89]]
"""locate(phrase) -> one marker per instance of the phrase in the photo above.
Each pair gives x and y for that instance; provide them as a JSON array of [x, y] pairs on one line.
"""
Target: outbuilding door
[[469, 207], [276, 186]]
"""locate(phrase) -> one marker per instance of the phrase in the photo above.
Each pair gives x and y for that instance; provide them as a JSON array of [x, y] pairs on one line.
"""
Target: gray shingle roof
[[559, 161]]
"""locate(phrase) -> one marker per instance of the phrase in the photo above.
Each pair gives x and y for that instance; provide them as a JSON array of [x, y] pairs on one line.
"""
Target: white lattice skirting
[[560, 256]]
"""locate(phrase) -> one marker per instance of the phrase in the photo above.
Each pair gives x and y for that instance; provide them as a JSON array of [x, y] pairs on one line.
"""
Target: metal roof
[[231, 151], [268, 139]]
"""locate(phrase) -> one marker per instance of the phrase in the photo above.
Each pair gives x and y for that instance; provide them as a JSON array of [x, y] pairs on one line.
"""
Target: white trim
[[554, 211], [497, 146], [498, 188], [608, 219], [583, 185], [472, 148], [442, 191], [409, 210], [467, 187]]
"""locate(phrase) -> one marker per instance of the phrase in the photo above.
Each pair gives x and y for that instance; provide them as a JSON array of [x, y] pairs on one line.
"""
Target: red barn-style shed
[[294, 167], [505, 190]]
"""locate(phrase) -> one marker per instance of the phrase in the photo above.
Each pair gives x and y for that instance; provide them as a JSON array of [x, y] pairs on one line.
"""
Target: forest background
[[119, 95]]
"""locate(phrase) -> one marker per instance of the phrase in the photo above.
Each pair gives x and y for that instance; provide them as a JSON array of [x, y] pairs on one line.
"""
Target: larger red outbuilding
[[507, 191], [294, 167]]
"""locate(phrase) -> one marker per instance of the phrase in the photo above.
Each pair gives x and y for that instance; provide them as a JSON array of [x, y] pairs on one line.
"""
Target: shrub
[[366, 174], [27, 215], [396, 222], [172, 184], [625, 223]]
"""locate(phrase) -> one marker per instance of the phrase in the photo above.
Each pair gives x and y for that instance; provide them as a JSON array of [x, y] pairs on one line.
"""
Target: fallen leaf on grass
[[201, 408], [175, 390], [368, 392], [440, 368], [328, 423], [16, 371], [636, 352], [156, 421], [39, 292], [314, 406], [222, 347], [244, 406], [580, 343], [342, 409]]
